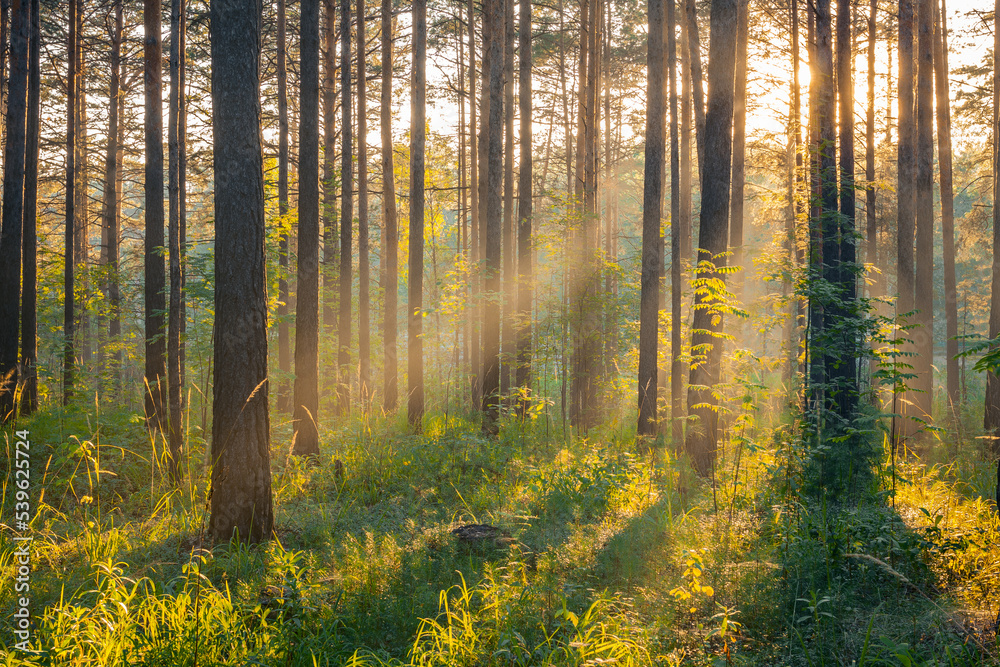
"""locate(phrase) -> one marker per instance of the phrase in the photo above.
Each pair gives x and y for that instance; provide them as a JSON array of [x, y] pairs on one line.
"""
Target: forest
[[500, 333]]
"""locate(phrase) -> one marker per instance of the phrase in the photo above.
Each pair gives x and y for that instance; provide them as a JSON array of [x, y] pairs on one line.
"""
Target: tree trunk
[[155, 299], [685, 156], [346, 211], [697, 80], [947, 201], [652, 197], [305, 441], [905, 213], [476, 253], [524, 201], [82, 236], [176, 438], [13, 209], [69, 265], [284, 347], [924, 183], [182, 199], [29, 339], [364, 314], [991, 417], [871, 232], [676, 234], [739, 145], [793, 323], [331, 232], [112, 174], [390, 234], [509, 251], [415, 301], [493, 23], [241, 471], [712, 236]]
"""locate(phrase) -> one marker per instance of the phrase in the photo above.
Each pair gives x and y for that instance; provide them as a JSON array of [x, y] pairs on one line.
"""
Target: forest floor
[[600, 554]]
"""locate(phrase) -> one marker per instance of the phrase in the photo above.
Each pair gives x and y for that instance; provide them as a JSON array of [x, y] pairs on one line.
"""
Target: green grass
[[616, 557]]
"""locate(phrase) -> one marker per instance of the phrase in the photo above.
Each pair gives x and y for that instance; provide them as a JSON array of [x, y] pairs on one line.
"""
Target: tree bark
[[331, 232], [112, 173], [155, 299], [306, 413], [13, 209], [364, 270], [524, 201], [176, 438], [476, 253], [739, 145], [346, 212], [871, 221], [697, 80], [924, 183], [905, 202], [241, 474], [712, 237], [652, 198], [284, 344], [991, 414], [947, 202], [390, 234], [677, 231], [509, 250], [418, 111], [69, 265], [29, 339]]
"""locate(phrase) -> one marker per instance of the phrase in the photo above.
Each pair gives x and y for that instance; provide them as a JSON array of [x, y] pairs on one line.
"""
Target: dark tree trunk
[[991, 417], [871, 221], [685, 156], [346, 212], [843, 367], [415, 301], [390, 233], [306, 412], [29, 341], [652, 198], [739, 145], [493, 23], [69, 300], [524, 201], [697, 80], [284, 344], [182, 188], [13, 208], [176, 439], [331, 232], [476, 253], [795, 310], [947, 202], [82, 236], [364, 307], [509, 251], [923, 302], [155, 299], [676, 232], [241, 471], [702, 437], [112, 174], [905, 202]]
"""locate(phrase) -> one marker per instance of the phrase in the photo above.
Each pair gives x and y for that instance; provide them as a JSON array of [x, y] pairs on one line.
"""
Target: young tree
[[652, 197], [13, 208], [155, 299], [346, 210], [418, 120], [390, 233], [29, 342], [241, 470], [306, 412], [712, 238]]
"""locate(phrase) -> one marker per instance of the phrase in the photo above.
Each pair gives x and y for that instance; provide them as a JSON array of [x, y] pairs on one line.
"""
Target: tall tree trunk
[[739, 144], [284, 346], [156, 371], [331, 232], [112, 174], [676, 232], [924, 184], [905, 202], [13, 209], [524, 202], [712, 236], [652, 197], [509, 250], [871, 221], [493, 23], [697, 80], [685, 144], [29, 339], [390, 234], [69, 265], [577, 270], [415, 301], [4, 45], [82, 208], [176, 438], [182, 189], [364, 307], [241, 471], [346, 211], [305, 441], [991, 415], [947, 201], [791, 216], [476, 254]]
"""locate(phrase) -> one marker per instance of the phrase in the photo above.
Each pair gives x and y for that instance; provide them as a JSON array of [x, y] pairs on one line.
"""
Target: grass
[[614, 558]]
